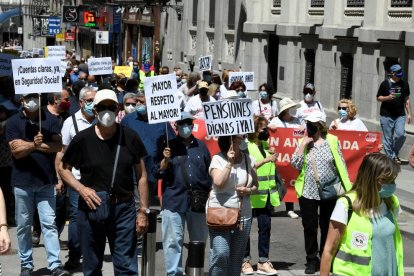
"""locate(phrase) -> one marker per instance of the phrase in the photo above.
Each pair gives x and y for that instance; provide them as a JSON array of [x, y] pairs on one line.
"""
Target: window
[[195, 7], [347, 65], [401, 3], [317, 3], [231, 16], [212, 14], [355, 3], [310, 65], [277, 3]]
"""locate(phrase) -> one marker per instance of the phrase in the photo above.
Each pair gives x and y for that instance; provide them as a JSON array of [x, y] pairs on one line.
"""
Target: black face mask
[[312, 129], [263, 135]]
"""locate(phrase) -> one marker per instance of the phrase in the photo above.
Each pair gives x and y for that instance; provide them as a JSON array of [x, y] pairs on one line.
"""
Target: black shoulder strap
[[184, 171], [319, 105], [350, 210], [75, 124]]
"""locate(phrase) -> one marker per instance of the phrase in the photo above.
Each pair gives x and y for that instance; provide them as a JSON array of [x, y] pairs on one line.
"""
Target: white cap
[[287, 103], [315, 117], [105, 94]]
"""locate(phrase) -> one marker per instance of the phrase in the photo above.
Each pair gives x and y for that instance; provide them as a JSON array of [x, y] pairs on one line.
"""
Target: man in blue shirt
[[34, 178], [184, 169]]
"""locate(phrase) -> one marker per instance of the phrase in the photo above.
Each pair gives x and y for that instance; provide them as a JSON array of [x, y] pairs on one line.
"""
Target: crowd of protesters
[[92, 143]]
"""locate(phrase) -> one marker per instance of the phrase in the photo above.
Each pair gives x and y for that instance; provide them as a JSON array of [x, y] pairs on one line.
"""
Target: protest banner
[[55, 52], [246, 77], [162, 99], [200, 132], [125, 70], [36, 75], [5, 64], [205, 63], [228, 117], [354, 146], [100, 66]]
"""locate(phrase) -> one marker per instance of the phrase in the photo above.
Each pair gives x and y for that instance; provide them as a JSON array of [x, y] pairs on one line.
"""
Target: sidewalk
[[405, 193]]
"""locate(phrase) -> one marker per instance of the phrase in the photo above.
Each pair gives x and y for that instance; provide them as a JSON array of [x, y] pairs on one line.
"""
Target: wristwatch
[[145, 210]]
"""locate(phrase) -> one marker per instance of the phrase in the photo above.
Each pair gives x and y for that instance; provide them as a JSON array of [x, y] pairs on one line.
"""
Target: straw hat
[[286, 103]]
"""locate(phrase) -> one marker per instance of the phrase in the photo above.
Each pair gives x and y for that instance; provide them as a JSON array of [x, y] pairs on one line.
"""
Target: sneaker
[[59, 271], [159, 218], [311, 268], [266, 268], [247, 268], [72, 263], [63, 245], [293, 215], [26, 271]]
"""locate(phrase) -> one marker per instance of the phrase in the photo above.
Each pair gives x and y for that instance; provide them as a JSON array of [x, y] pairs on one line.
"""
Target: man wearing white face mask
[[308, 105], [34, 178], [184, 170], [107, 155]]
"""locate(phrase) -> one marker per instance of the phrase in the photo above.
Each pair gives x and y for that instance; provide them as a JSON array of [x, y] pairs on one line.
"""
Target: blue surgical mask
[[263, 95], [88, 108], [387, 190], [241, 94], [185, 130], [141, 109], [342, 114]]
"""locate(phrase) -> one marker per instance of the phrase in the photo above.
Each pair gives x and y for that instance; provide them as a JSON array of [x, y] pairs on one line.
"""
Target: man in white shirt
[[194, 104]]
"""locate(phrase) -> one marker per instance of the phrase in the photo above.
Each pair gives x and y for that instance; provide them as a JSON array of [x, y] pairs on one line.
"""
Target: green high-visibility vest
[[266, 178], [340, 166], [354, 253], [142, 77]]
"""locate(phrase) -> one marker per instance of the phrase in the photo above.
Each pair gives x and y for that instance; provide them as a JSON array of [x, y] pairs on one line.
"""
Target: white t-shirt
[[307, 108], [267, 110], [276, 122], [227, 196], [195, 107], [355, 124], [68, 132]]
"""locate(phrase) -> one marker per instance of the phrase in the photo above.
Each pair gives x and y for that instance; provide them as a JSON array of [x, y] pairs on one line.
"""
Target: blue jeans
[[119, 228], [393, 135], [73, 240], [173, 224], [264, 222], [227, 248], [43, 196]]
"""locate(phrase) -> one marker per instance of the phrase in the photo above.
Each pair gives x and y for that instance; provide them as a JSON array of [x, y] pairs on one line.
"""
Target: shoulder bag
[[225, 218], [327, 190]]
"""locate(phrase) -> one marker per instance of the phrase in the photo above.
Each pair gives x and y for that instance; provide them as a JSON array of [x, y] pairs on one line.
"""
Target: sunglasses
[[185, 122], [88, 100], [128, 104], [239, 90], [342, 108], [100, 108]]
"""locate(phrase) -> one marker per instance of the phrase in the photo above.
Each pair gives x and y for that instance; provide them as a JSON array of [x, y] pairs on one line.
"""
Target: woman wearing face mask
[[347, 117], [95, 151], [264, 199], [363, 237], [308, 105], [130, 105], [240, 88], [317, 152], [265, 105], [234, 179]]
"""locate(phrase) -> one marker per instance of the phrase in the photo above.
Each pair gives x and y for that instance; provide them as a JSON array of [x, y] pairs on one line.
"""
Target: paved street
[[287, 246]]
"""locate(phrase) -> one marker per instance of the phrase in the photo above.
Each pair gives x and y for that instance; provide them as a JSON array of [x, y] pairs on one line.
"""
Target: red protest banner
[[354, 144], [200, 132]]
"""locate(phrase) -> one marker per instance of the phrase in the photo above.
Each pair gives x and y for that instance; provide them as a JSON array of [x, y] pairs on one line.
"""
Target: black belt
[[114, 199]]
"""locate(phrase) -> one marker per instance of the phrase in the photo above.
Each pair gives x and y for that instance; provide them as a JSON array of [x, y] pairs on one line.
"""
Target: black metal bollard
[[149, 246], [195, 261]]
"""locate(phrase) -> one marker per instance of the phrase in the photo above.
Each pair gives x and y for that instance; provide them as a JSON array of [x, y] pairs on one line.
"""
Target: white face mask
[[106, 118], [308, 97], [130, 109], [32, 104]]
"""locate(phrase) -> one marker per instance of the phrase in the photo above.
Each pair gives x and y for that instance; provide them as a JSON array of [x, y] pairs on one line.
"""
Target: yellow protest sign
[[126, 70]]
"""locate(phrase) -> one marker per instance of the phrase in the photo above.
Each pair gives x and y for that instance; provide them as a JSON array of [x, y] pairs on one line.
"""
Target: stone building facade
[[344, 46]]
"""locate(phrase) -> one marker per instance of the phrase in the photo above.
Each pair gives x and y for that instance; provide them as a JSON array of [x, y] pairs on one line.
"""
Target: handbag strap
[[116, 157], [184, 171], [315, 170]]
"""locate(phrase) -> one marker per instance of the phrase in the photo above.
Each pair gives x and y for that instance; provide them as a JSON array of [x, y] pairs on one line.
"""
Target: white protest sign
[[102, 37], [100, 66], [5, 64], [246, 77], [228, 117], [205, 63], [55, 52], [37, 75], [63, 65], [162, 99]]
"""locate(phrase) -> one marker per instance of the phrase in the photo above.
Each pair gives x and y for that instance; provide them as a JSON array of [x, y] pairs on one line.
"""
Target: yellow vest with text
[[142, 77], [354, 253], [266, 179], [340, 166]]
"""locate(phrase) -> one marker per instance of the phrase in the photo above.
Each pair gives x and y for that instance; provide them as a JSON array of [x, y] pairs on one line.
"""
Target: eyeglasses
[[88, 100], [239, 90], [185, 122], [342, 108], [100, 108], [128, 104]]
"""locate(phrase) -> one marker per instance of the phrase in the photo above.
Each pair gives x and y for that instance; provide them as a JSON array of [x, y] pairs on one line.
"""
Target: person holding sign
[[265, 198], [318, 152], [234, 179], [34, 140], [363, 237], [265, 105], [184, 171]]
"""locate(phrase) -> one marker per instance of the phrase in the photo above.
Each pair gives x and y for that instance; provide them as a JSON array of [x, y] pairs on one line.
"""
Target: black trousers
[[310, 219]]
